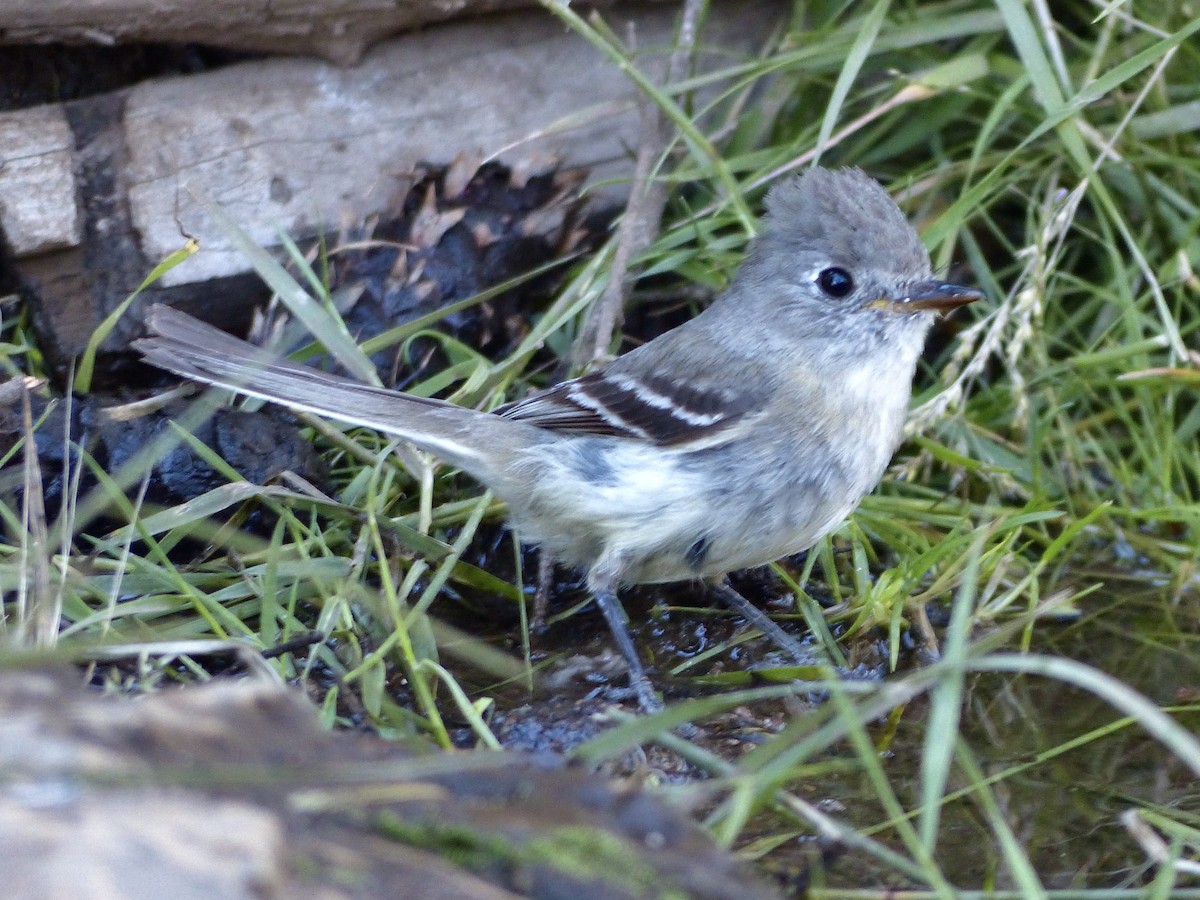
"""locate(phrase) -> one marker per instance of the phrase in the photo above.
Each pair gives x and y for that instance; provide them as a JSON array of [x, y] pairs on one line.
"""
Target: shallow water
[[1061, 803]]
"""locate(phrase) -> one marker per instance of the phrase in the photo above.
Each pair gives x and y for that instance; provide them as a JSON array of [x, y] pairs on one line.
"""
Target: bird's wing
[[651, 407]]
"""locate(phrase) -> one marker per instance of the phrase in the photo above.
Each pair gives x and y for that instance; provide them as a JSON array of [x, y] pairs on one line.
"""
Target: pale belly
[[652, 517]]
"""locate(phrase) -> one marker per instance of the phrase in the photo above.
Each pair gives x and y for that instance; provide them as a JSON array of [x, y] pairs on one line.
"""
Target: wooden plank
[[38, 210], [301, 145], [337, 30]]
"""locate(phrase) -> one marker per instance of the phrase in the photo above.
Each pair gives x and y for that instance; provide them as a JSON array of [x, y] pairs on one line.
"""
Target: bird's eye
[[835, 281]]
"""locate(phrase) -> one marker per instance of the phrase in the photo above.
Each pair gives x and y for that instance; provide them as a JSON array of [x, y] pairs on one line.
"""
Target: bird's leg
[[607, 600], [760, 620], [541, 597], [603, 580]]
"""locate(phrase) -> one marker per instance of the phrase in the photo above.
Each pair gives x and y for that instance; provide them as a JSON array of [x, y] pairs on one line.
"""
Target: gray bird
[[740, 437]]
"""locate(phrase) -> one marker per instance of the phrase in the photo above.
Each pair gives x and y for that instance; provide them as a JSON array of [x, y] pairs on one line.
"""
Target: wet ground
[[1066, 767], [1070, 768]]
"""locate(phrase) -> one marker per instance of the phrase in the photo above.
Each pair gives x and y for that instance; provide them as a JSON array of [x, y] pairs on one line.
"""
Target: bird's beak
[[930, 295]]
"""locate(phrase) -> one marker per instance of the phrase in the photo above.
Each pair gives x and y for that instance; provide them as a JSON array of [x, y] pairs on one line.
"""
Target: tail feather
[[196, 350]]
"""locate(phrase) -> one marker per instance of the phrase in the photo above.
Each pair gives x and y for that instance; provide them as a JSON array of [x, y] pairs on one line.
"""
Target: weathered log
[[338, 30], [299, 145], [233, 789], [37, 188]]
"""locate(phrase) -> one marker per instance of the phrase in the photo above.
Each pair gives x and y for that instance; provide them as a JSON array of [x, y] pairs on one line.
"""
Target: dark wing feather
[[654, 408]]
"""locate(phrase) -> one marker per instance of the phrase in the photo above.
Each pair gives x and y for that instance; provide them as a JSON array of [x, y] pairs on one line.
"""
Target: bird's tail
[[466, 438]]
